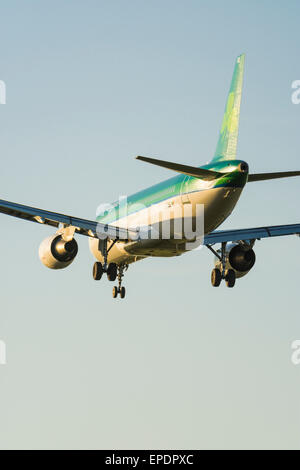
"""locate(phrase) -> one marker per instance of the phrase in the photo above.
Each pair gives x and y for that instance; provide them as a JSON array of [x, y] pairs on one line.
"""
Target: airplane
[[115, 236]]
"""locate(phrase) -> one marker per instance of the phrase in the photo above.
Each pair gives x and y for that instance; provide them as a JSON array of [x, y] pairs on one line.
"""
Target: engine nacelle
[[56, 253], [241, 258]]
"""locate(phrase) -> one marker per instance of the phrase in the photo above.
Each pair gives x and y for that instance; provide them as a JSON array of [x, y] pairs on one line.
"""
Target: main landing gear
[[112, 270], [229, 277], [217, 274]]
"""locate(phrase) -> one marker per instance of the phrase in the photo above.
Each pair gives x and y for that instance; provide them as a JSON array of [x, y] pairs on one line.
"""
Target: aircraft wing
[[86, 227], [95, 229], [256, 233]]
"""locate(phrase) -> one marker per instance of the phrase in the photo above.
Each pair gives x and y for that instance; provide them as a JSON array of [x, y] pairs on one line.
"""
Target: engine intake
[[241, 259], [56, 253]]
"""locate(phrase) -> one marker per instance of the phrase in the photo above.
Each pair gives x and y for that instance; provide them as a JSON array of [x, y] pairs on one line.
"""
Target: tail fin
[[227, 144]]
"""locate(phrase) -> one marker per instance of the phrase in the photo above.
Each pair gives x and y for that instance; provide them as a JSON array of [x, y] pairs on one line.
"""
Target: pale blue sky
[[177, 364]]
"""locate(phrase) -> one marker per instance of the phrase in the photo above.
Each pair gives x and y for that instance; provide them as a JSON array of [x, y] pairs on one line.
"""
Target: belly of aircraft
[[218, 204]]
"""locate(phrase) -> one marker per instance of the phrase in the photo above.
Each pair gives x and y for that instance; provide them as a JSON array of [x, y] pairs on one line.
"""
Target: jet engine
[[241, 258], [56, 253]]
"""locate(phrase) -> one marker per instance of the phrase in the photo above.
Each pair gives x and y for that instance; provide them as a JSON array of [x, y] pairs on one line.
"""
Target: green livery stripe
[[224, 161], [172, 188]]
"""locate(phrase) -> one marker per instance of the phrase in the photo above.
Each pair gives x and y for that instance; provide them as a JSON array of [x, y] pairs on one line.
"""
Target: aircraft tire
[[230, 278], [112, 272], [97, 271], [122, 292], [115, 292], [216, 277]]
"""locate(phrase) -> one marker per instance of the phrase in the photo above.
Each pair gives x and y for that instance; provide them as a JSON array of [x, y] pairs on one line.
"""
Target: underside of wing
[[82, 226], [220, 236]]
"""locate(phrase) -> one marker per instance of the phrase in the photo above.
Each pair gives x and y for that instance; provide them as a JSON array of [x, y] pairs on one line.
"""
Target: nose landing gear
[[120, 289]]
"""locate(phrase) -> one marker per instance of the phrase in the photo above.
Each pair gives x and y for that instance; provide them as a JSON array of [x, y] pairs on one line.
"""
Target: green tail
[[227, 144]]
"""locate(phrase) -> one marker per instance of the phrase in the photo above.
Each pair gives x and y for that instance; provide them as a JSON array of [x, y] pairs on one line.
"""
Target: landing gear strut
[[218, 274], [99, 268], [112, 270]]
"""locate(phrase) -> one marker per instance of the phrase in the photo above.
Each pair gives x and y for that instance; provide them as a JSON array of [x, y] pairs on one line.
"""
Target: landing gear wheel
[[122, 292], [112, 272], [230, 278], [97, 271], [216, 277], [115, 292]]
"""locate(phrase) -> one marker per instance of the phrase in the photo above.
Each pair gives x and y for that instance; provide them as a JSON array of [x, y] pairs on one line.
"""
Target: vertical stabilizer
[[227, 144]]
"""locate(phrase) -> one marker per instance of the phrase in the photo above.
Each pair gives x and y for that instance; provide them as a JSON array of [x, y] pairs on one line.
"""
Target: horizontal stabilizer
[[272, 176], [200, 173]]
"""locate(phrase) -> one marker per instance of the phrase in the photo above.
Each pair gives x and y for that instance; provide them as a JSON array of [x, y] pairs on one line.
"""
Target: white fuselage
[[218, 204]]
